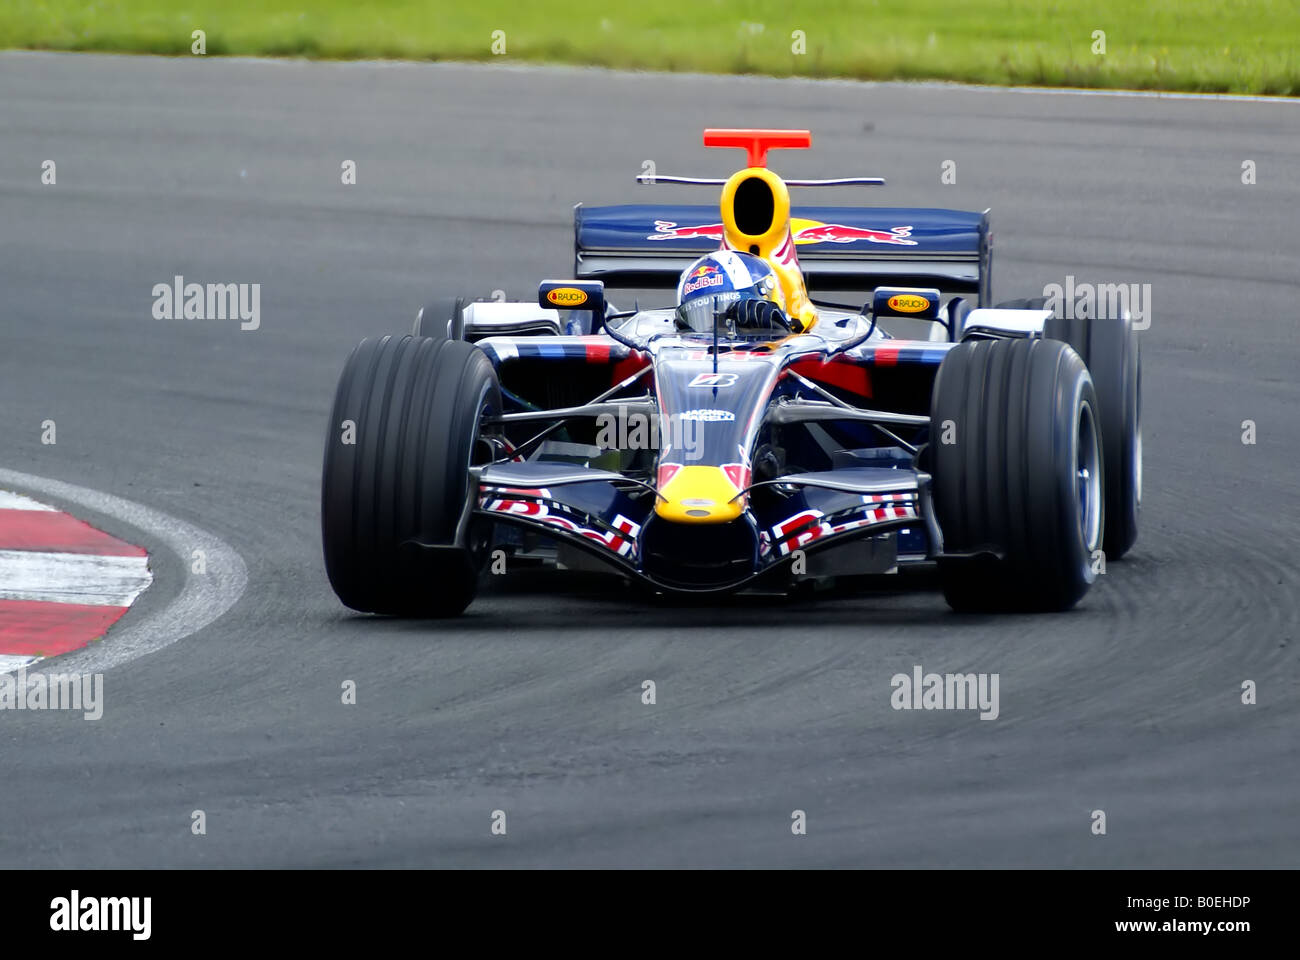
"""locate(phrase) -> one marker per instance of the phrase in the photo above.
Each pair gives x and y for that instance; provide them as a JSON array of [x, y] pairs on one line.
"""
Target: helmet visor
[[701, 313]]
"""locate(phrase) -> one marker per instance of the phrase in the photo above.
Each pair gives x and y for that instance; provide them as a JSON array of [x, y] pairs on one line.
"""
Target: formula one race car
[[747, 434]]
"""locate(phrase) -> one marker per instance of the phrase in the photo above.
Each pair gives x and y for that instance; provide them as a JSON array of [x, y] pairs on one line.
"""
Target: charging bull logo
[[668, 230], [803, 231], [810, 231]]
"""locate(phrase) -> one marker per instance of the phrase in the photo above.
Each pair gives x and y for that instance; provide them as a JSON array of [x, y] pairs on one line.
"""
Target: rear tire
[[1109, 347], [1018, 491], [415, 405], [441, 319], [1023, 303]]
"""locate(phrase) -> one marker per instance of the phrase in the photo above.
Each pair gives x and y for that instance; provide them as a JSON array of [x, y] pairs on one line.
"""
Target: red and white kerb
[[62, 582]]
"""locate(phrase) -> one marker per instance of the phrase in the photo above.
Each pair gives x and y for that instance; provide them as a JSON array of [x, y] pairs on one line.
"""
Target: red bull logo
[[668, 230], [803, 232], [711, 278], [704, 269], [810, 231]]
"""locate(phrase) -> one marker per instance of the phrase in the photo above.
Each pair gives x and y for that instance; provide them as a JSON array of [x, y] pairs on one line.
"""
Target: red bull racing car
[[749, 433]]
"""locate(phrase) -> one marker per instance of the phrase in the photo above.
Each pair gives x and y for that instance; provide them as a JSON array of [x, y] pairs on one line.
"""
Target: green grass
[[1238, 46]]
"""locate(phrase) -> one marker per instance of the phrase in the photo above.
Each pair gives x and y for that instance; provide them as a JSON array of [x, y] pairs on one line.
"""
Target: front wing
[[607, 516]]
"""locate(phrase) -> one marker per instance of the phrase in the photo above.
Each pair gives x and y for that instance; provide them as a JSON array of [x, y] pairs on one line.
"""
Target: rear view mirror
[[910, 303], [574, 295]]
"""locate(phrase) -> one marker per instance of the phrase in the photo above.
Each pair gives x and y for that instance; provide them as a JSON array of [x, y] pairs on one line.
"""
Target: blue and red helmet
[[713, 284]]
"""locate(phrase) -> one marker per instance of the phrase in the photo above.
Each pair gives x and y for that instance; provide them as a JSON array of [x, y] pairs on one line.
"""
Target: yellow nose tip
[[699, 495]]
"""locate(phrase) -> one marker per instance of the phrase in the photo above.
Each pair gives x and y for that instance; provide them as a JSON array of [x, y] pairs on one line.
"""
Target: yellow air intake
[[756, 217]]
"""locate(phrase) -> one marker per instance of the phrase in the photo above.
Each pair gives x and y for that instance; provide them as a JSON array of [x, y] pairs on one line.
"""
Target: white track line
[[72, 577], [202, 599], [16, 501], [9, 662]]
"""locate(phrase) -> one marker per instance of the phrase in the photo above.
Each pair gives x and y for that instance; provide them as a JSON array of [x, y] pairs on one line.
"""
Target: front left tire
[[1018, 479]]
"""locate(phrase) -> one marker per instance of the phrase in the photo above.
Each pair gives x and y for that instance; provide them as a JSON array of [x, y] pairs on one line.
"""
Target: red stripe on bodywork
[[845, 375], [737, 474], [666, 472], [36, 628], [629, 365], [597, 352], [53, 532], [887, 356]]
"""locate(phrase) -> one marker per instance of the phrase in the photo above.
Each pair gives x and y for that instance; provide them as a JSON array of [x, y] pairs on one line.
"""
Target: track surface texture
[[229, 171]]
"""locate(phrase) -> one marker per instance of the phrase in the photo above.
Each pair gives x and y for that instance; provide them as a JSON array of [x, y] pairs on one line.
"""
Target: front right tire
[[403, 433]]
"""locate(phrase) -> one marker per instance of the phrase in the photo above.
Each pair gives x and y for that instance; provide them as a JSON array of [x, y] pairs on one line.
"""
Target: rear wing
[[647, 246]]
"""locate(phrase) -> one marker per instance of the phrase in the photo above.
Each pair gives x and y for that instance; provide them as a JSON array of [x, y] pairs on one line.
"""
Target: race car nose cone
[[699, 494]]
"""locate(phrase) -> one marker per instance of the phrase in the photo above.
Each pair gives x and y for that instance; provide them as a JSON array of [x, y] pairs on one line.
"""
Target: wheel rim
[[1137, 467], [1137, 443], [1088, 477], [480, 453], [481, 441]]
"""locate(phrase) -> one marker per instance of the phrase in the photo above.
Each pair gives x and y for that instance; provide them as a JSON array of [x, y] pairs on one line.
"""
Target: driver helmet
[[713, 284]]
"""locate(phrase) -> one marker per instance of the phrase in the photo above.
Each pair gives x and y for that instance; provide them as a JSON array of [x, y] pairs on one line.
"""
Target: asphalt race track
[[229, 171]]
